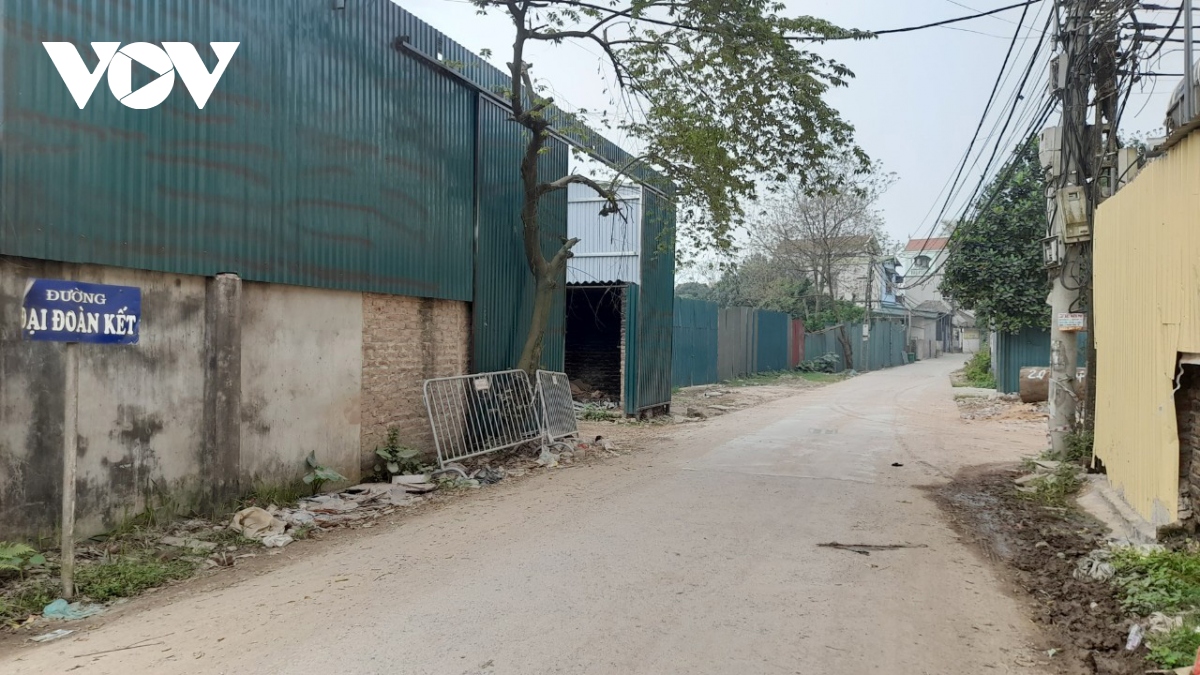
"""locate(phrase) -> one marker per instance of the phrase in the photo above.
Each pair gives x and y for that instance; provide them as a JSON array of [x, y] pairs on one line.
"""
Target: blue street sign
[[74, 311]]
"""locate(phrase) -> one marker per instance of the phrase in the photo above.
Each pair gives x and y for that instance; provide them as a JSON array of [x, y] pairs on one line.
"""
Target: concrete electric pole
[[1069, 209]]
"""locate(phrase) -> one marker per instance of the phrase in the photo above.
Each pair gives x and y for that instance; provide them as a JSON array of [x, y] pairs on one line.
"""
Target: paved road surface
[[695, 556]]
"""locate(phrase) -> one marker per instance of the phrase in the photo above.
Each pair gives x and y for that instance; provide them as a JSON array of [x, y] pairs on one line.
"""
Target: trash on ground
[[866, 549], [547, 459], [897, 464], [488, 476], [277, 540], [52, 635], [1096, 565], [70, 611], [256, 523], [1162, 623], [1135, 637]]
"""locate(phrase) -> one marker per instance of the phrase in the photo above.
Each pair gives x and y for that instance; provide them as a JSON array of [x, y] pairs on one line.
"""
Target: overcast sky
[[915, 100]]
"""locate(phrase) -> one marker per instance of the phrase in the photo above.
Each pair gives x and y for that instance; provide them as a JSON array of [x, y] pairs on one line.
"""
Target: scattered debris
[[411, 479], [277, 540], [547, 459], [1162, 623], [488, 476], [1135, 638], [866, 549], [1096, 565], [696, 413], [723, 408], [70, 611], [52, 635], [897, 464]]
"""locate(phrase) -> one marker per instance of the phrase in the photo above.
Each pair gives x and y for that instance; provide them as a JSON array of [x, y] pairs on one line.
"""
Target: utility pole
[[1189, 76], [1070, 206]]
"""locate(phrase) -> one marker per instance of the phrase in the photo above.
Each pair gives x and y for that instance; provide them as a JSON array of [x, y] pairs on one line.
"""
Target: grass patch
[[279, 494], [978, 371], [127, 577], [1055, 488], [591, 413], [822, 378], [1176, 649], [26, 599], [1157, 581], [783, 377]]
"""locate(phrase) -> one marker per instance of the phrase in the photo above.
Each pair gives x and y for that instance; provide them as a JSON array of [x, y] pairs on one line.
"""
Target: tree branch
[[612, 204]]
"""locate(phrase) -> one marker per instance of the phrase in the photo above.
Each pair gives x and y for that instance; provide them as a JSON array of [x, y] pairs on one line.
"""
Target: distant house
[[934, 318]]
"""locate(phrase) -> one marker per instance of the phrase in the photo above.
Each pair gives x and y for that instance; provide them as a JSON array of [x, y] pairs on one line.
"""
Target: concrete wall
[[232, 384], [404, 342], [141, 407], [301, 379]]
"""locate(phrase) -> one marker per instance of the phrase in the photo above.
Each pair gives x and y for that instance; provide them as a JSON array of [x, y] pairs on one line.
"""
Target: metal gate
[[477, 414], [558, 410]]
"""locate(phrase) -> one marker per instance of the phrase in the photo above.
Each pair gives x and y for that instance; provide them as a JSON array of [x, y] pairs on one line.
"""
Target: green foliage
[[995, 262], [1079, 447], [319, 474], [694, 291], [827, 363], [978, 370], [19, 557], [397, 460], [1157, 581], [592, 413], [128, 576], [1176, 649], [265, 494], [1055, 488], [26, 599], [766, 282]]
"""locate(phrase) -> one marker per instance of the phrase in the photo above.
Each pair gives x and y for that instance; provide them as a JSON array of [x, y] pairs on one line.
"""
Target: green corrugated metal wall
[[886, 345], [504, 285], [1028, 348], [772, 336], [656, 302], [826, 342], [694, 343], [632, 324], [325, 157]]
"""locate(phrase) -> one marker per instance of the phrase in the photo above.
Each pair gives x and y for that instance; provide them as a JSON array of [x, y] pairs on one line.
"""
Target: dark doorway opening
[[595, 342]]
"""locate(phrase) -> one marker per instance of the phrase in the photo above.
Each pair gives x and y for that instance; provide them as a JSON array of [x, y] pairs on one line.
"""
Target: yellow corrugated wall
[[1147, 282]]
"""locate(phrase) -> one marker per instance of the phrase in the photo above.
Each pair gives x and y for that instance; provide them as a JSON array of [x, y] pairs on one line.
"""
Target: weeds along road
[[698, 554]]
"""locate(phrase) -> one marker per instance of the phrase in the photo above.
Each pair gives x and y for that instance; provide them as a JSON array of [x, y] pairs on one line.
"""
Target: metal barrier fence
[[558, 408], [477, 414]]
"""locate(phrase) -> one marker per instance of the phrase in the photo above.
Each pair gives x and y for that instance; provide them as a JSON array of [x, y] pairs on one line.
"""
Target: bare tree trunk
[[847, 351]]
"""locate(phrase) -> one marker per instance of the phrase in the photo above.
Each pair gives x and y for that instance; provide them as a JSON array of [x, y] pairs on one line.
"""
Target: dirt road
[[699, 555]]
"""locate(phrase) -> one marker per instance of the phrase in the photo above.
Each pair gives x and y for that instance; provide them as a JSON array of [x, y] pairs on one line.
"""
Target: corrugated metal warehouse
[[355, 199]]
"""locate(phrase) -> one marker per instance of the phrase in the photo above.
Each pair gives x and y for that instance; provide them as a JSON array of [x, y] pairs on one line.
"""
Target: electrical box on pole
[[1056, 79], [1050, 151], [1052, 252], [1073, 208]]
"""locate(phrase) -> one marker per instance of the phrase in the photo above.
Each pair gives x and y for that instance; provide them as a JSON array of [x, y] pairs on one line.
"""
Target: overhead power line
[[947, 22]]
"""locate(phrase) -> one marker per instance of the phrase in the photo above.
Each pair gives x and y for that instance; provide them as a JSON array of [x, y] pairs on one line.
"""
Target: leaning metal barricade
[[558, 410], [477, 414]]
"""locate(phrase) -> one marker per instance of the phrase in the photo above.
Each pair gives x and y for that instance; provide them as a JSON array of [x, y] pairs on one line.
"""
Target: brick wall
[[1187, 416], [405, 342]]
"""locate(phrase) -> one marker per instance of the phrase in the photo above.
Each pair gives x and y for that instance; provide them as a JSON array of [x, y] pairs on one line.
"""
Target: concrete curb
[[1100, 500]]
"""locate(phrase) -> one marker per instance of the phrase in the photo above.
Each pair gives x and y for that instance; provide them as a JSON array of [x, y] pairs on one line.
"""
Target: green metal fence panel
[[829, 341], [632, 324], [656, 304], [886, 345], [504, 286], [1029, 348], [772, 341], [694, 349], [736, 342], [324, 157]]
